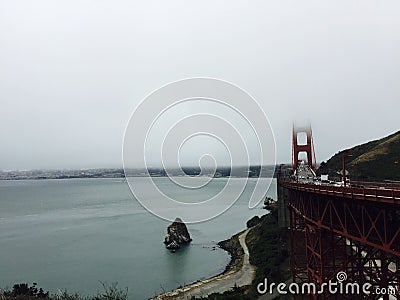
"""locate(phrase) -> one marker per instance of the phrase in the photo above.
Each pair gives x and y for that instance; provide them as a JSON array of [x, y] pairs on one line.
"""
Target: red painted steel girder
[[361, 238], [372, 223]]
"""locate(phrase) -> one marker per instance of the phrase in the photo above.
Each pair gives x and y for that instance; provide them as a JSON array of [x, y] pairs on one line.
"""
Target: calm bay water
[[72, 234]]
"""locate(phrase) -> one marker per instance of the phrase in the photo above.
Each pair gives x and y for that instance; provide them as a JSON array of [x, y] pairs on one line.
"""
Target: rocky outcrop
[[269, 203], [177, 235], [253, 221]]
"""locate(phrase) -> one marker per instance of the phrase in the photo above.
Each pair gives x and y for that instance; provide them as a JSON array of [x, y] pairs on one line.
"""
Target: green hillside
[[373, 161]]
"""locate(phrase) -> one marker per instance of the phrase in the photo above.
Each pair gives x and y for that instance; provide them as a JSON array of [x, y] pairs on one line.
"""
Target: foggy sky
[[71, 72]]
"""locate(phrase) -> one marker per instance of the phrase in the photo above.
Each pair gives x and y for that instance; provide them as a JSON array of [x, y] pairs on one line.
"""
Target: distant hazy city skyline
[[72, 72]]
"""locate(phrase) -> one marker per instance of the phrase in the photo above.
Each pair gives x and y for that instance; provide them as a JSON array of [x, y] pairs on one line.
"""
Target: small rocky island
[[177, 235]]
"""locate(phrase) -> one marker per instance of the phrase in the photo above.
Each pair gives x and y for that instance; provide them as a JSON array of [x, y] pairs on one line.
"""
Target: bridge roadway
[[369, 191]]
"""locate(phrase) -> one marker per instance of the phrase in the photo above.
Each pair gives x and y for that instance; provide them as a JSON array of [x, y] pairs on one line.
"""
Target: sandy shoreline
[[220, 283]]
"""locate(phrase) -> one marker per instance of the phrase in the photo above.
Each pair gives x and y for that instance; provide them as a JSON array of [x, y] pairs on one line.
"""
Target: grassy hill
[[373, 161]]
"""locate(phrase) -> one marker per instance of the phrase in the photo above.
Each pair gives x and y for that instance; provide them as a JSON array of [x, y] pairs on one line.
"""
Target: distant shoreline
[[223, 172], [120, 177]]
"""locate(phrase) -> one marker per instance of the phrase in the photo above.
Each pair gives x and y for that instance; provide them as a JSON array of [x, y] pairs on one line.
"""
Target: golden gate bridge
[[349, 227]]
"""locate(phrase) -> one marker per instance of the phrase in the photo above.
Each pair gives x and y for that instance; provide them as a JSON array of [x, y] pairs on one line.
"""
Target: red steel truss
[[345, 229]]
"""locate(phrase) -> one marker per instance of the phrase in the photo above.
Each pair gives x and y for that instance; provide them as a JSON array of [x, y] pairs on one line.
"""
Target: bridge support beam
[[333, 234]]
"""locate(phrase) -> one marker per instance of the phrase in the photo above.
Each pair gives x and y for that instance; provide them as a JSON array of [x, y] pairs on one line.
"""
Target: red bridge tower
[[308, 148]]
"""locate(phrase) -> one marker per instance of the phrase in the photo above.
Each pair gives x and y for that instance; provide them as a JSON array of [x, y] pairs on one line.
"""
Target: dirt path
[[217, 284]]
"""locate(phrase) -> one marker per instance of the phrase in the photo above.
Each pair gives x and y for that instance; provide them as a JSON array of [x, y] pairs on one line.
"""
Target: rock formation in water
[[177, 235]]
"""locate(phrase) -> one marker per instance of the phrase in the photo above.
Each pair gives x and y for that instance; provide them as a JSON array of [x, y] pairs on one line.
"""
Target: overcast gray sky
[[71, 72]]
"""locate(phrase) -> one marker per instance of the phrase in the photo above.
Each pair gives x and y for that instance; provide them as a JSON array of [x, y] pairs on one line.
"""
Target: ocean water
[[74, 234]]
